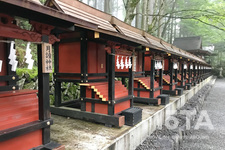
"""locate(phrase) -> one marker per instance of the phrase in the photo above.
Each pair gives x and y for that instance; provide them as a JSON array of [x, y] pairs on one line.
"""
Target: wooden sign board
[[46, 58], [134, 63]]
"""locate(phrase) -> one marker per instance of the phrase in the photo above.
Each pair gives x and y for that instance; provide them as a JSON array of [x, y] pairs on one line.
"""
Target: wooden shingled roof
[[110, 25], [191, 44], [35, 11]]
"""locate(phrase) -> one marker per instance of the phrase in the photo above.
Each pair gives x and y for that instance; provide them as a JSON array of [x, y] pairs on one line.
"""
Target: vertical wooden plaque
[[46, 58], [134, 63]]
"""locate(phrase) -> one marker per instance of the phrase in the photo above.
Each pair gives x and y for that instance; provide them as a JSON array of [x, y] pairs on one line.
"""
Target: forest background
[[166, 19]]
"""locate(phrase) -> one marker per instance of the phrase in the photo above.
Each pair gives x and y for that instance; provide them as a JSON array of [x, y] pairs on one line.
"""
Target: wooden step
[[101, 89], [145, 82]]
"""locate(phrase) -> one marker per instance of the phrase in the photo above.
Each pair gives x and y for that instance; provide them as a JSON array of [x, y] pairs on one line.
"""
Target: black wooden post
[[198, 71], [171, 63], [58, 100], [176, 70], [182, 73], [123, 81], [83, 63], [194, 69], [189, 72], [111, 82], [152, 78], [43, 96], [131, 84], [161, 79], [143, 61], [185, 73], [138, 92]]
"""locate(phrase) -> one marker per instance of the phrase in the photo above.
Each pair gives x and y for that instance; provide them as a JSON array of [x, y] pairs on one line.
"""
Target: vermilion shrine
[[114, 64]]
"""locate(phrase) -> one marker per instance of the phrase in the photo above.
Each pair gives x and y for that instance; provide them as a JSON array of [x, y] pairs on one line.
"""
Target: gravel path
[[204, 138], [208, 106]]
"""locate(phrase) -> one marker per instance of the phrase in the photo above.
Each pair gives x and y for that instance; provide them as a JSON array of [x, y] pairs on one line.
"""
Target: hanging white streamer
[[12, 57], [130, 64], [126, 63], [185, 66], [191, 67], [175, 66], [117, 62], [160, 64], [1, 65], [121, 63], [28, 57], [156, 65]]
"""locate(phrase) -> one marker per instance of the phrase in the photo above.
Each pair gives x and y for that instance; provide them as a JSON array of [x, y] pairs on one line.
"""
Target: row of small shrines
[[113, 74]]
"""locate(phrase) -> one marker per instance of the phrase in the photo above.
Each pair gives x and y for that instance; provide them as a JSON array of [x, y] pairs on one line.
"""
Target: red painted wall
[[18, 108], [96, 58], [166, 64], [3, 58], [69, 57]]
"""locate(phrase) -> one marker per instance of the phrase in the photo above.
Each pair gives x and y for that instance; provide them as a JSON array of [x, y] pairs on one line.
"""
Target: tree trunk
[[160, 6], [168, 35], [175, 28], [150, 10], [130, 6], [171, 30], [138, 15], [144, 15], [107, 7], [169, 18], [180, 29], [95, 3]]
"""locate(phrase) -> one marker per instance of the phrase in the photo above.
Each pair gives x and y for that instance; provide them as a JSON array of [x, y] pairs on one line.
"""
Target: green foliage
[[203, 18], [42, 1], [30, 74], [70, 91], [23, 23]]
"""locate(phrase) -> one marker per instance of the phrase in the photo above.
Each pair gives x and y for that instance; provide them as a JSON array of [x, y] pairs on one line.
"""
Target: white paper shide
[[1, 65], [28, 57], [12, 57], [175, 65], [158, 64], [123, 62]]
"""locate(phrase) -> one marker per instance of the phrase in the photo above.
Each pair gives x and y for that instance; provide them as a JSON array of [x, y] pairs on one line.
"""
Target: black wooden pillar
[[123, 81], [43, 96], [203, 70], [194, 70], [152, 78], [171, 63], [182, 73], [198, 72], [185, 72], [131, 85], [161, 79], [58, 100], [189, 73], [111, 82], [175, 72], [84, 70], [143, 60]]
